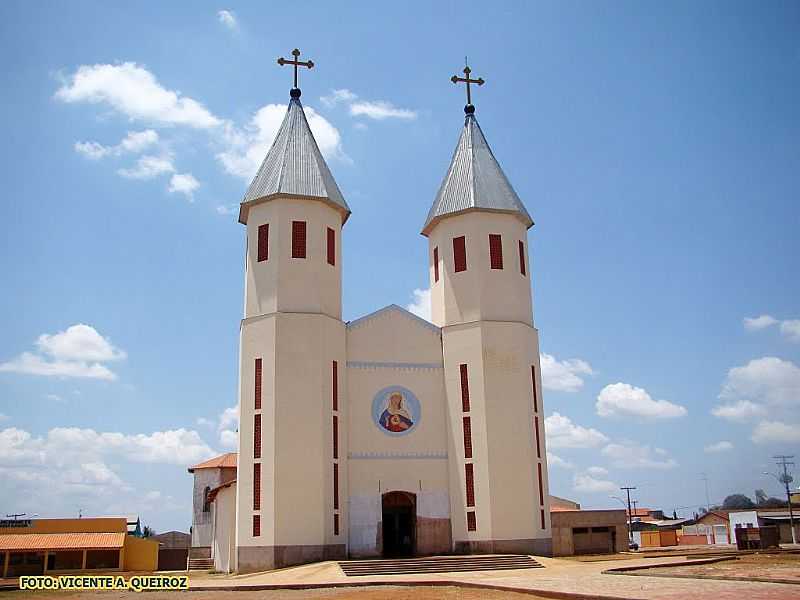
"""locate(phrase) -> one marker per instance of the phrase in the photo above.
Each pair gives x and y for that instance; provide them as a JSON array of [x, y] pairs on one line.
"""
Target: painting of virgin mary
[[395, 417]]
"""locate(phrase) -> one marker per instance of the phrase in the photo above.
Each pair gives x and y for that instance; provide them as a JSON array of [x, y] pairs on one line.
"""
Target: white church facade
[[387, 435]]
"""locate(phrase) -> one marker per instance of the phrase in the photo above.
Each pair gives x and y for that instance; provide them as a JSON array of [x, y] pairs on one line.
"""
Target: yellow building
[[41, 546]]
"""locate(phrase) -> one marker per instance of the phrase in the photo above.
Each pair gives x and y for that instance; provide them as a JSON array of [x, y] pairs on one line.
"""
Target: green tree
[[737, 501], [148, 531]]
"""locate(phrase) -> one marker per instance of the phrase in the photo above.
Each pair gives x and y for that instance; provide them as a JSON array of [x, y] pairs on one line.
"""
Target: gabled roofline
[[393, 308]]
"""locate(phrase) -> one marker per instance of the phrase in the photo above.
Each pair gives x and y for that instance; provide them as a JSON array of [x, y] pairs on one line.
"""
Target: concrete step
[[438, 564], [201, 564]]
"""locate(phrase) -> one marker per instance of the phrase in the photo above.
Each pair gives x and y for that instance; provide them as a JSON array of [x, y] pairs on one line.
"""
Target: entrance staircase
[[438, 564], [200, 564]]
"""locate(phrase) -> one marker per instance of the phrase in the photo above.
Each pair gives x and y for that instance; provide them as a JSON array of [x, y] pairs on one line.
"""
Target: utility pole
[[630, 520], [708, 502], [786, 479]]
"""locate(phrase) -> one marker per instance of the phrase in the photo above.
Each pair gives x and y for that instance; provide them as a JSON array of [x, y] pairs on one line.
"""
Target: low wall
[[140, 554]]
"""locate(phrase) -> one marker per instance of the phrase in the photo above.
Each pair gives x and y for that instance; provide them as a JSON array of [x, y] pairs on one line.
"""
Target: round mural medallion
[[395, 410]]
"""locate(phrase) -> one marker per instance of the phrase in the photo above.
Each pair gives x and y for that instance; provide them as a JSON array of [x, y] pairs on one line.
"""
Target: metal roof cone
[[474, 181], [294, 165]]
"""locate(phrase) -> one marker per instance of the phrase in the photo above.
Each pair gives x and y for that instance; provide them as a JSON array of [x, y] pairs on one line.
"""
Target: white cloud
[[183, 183], [624, 400], [591, 485], [227, 426], [630, 455], [767, 432], [421, 305], [563, 433], [741, 411], [791, 330], [79, 351], [769, 380], [54, 397], [148, 167], [554, 461], [227, 210], [723, 446], [246, 147], [4, 417], [563, 376], [228, 18], [229, 439], [380, 110], [134, 92], [134, 142], [759, 323], [597, 471], [337, 96]]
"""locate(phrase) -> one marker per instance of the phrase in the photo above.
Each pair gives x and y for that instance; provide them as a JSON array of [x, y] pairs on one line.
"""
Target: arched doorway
[[399, 510]]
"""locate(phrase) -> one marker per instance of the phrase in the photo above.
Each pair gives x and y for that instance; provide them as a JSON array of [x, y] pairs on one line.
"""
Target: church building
[[388, 435]]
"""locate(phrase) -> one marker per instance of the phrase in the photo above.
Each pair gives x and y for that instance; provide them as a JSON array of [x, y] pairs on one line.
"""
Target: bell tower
[[290, 482], [481, 298]]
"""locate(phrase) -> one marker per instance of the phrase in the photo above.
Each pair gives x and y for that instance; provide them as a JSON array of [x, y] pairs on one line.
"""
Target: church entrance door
[[399, 524]]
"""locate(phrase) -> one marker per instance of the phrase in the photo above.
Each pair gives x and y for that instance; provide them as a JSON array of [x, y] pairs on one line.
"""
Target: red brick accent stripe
[[467, 438], [464, 388], [538, 445], [541, 486], [263, 242], [257, 398], [335, 384], [331, 247], [495, 251], [335, 485], [471, 524], [521, 257], [460, 254], [256, 525], [468, 470], [298, 239], [257, 486], [436, 263], [257, 436], [533, 383], [335, 436]]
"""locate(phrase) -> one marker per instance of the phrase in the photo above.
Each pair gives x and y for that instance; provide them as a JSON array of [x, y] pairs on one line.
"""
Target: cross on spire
[[469, 108], [295, 93]]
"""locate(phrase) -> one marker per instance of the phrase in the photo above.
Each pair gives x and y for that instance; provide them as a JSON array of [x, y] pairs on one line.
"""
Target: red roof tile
[[60, 541], [223, 461]]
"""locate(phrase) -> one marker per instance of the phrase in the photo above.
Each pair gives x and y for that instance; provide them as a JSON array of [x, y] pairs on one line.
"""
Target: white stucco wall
[[223, 549]]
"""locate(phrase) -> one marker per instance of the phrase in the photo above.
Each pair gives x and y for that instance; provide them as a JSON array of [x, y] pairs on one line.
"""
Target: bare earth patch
[[752, 566]]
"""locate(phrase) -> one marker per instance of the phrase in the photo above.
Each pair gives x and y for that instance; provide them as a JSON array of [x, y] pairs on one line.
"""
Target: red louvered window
[[256, 525], [467, 438], [257, 399], [298, 239], [533, 383], [263, 242], [521, 257], [257, 436], [464, 388], [335, 436], [460, 254], [541, 486], [335, 524], [331, 247], [335, 384], [471, 524], [470, 484], [495, 251], [544, 525], [257, 486], [335, 485], [436, 264], [538, 445]]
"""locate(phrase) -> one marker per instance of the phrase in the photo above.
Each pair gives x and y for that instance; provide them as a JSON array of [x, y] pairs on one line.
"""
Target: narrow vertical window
[[467, 438], [436, 264], [256, 525], [541, 487], [257, 436], [460, 254], [335, 486], [257, 399], [538, 445], [521, 257], [544, 526], [533, 383], [298, 239], [335, 384], [471, 524], [257, 486], [495, 251], [336, 524], [471, 484], [331, 247], [335, 436], [464, 388], [263, 242]]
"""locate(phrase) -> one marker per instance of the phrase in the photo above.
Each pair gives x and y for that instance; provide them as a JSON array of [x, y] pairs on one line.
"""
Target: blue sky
[[656, 146]]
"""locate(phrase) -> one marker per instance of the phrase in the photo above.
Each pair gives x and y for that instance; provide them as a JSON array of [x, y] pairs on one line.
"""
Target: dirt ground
[[762, 566], [359, 593]]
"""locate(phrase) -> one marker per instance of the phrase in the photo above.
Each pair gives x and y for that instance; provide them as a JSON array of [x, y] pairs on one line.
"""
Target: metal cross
[[467, 80], [296, 63]]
